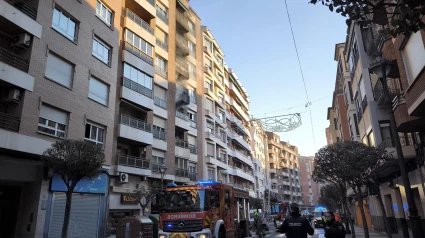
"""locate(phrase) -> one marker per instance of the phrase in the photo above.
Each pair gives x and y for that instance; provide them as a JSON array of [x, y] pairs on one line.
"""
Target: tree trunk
[[384, 214], [346, 208], [67, 213], [360, 202]]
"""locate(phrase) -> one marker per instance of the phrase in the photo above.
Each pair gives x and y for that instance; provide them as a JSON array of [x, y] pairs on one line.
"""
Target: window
[[346, 96], [208, 44], [208, 85], [59, 70], [192, 95], [98, 91], [414, 56], [362, 89], [192, 70], [161, 35], [95, 134], [162, 11], [101, 51], [350, 90], [52, 121], [104, 13], [219, 59], [191, 115], [161, 63], [356, 125], [192, 30], [138, 42], [63, 23], [210, 149], [157, 160], [211, 174], [137, 76], [192, 48], [210, 127], [181, 163]]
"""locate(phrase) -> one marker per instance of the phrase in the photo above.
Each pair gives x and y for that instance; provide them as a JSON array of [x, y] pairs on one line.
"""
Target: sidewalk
[[373, 234]]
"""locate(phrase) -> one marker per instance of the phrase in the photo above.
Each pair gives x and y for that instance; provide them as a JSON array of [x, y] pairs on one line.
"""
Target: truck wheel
[[221, 232]]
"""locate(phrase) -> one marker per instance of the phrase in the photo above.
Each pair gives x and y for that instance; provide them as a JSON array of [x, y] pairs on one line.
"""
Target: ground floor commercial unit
[[395, 203]]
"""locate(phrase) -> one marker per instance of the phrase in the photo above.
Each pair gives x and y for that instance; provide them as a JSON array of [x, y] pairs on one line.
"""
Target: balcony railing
[[182, 116], [182, 43], [9, 122], [160, 102], [182, 20], [136, 123], [219, 135], [394, 89], [193, 124], [193, 149], [161, 44], [182, 173], [138, 53], [14, 60], [182, 67], [364, 103], [373, 38], [139, 21], [128, 83], [161, 16], [162, 135], [160, 71], [133, 161], [192, 176], [152, 2], [182, 143], [24, 7]]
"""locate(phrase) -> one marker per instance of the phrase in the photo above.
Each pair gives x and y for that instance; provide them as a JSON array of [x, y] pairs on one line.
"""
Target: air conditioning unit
[[22, 40], [11, 95], [123, 178]]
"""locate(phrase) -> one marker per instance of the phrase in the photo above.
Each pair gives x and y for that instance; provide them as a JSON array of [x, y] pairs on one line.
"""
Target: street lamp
[[381, 68], [162, 169]]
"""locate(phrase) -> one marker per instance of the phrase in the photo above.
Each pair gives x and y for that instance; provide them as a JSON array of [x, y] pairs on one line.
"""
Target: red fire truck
[[205, 210]]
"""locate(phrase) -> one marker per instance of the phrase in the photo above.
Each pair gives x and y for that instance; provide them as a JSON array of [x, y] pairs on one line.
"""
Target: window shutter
[[210, 149], [157, 121], [192, 140], [59, 70], [209, 105], [160, 92], [54, 114], [98, 91], [158, 153], [414, 53]]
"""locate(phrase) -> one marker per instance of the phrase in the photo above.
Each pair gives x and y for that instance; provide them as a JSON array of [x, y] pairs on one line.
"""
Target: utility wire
[[302, 75], [300, 105]]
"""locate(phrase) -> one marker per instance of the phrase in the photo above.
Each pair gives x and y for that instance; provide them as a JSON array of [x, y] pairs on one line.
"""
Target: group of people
[[296, 226]]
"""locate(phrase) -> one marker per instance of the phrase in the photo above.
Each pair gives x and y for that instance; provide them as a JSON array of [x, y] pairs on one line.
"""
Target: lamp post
[[162, 169], [381, 68]]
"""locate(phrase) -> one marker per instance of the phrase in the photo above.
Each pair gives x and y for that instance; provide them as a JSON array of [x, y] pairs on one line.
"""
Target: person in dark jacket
[[333, 228], [296, 226]]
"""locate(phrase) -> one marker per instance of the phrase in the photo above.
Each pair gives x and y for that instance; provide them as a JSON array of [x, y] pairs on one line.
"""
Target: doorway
[[9, 208]]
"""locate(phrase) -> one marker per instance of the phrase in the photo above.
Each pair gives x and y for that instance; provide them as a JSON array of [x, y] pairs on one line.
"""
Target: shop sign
[[128, 199], [98, 184]]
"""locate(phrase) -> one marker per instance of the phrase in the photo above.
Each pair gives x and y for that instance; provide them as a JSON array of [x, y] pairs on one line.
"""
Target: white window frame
[[213, 173], [64, 16], [98, 55], [192, 28], [192, 70], [192, 48], [100, 12], [182, 163], [55, 128], [96, 141], [161, 63], [139, 44]]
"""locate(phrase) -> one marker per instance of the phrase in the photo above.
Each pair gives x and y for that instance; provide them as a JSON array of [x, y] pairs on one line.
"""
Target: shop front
[[87, 210]]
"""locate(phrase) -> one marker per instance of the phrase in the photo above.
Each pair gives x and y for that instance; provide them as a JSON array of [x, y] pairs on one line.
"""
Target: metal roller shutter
[[84, 220]]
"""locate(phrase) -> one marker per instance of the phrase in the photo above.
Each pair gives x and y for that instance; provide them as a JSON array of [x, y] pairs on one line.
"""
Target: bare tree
[[145, 196], [73, 160]]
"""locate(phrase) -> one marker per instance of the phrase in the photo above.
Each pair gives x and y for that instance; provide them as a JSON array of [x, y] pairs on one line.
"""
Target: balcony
[[162, 135], [218, 137], [162, 17], [235, 90], [241, 173], [193, 149], [139, 26], [160, 102], [394, 88], [14, 60], [274, 180], [138, 53], [244, 158], [239, 109], [184, 173], [136, 93], [240, 139], [373, 38], [181, 67], [21, 15], [11, 70], [161, 72], [182, 45], [135, 129], [161, 44], [9, 122], [148, 5], [208, 70], [133, 165], [182, 148], [182, 120], [183, 22], [192, 176]]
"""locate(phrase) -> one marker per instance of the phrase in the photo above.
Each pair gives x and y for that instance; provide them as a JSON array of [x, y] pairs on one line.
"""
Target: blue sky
[[256, 39]]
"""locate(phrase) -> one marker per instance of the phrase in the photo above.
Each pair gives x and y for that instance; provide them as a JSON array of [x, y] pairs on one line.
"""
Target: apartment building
[[58, 80], [260, 158], [310, 189], [284, 169]]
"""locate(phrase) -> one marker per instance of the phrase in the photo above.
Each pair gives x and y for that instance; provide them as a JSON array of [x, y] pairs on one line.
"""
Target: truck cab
[[207, 209]]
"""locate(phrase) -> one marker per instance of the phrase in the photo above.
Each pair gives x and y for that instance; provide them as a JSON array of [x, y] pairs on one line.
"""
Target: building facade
[[260, 158], [310, 189]]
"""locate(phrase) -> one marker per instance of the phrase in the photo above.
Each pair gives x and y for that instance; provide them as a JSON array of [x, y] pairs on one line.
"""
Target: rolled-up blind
[[59, 70], [54, 114]]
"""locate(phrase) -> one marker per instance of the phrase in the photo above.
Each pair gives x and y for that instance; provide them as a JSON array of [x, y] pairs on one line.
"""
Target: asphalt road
[[318, 233]]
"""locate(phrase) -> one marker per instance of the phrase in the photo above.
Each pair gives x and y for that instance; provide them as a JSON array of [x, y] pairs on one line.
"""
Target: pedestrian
[[296, 226], [333, 228]]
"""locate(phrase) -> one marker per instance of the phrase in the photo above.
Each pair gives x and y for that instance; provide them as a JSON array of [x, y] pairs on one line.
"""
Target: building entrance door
[[9, 208]]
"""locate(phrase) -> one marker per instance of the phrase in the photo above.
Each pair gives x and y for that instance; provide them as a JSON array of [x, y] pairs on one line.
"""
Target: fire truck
[[205, 210]]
